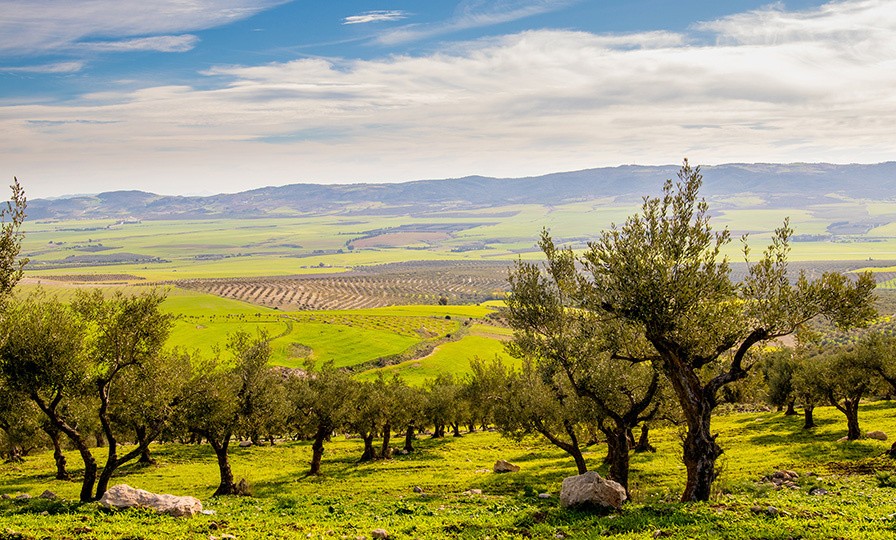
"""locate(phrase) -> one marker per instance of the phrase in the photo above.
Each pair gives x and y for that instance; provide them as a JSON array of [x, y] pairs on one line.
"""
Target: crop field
[[351, 499], [388, 285], [307, 244]]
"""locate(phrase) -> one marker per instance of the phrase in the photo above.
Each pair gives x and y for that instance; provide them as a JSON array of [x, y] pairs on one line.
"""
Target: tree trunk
[[14, 454], [317, 451], [227, 485], [851, 409], [571, 448], [790, 409], [369, 453], [100, 439], [456, 429], [58, 456], [700, 454], [617, 439], [644, 441], [386, 450], [145, 457], [90, 466], [809, 419], [409, 439]]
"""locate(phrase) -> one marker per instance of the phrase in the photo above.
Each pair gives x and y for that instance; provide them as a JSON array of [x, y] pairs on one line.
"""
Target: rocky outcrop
[[124, 496]]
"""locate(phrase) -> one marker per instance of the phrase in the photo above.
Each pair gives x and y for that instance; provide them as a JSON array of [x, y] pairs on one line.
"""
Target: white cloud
[[57, 67], [180, 43], [375, 16], [527, 103], [473, 14], [39, 26]]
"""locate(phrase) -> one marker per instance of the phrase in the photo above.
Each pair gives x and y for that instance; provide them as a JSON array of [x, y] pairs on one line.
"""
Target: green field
[[313, 243], [351, 499]]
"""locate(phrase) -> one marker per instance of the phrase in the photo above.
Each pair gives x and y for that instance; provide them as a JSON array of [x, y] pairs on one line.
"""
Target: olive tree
[[322, 400], [663, 271], [42, 356], [123, 332], [527, 401], [232, 395], [604, 360], [12, 215]]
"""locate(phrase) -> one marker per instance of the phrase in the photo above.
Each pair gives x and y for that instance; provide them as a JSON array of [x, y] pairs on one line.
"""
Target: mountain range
[[770, 185]]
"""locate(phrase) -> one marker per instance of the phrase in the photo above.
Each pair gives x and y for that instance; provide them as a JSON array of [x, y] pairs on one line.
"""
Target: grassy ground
[[352, 499]]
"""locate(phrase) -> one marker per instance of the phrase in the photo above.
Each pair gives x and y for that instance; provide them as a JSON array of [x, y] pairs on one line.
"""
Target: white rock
[[502, 466], [124, 496], [877, 435], [590, 489]]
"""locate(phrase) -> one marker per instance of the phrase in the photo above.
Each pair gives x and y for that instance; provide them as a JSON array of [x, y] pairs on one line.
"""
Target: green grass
[[452, 357], [352, 499]]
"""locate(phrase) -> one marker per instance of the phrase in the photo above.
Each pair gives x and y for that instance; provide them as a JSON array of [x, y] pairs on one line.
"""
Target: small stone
[[47, 494], [756, 509], [793, 474], [208, 512], [5, 497], [45, 513], [772, 511], [245, 444], [876, 435], [818, 491], [23, 496], [379, 533], [843, 439], [544, 495], [418, 489]]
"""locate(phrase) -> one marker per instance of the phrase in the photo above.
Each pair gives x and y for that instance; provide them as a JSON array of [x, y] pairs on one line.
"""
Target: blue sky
[[204, 96]]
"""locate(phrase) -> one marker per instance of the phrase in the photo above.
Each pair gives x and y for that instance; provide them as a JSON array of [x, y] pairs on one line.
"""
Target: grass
[[452, 357], [352, 499]]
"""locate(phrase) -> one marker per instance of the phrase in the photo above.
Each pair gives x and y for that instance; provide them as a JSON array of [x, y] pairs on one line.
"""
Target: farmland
[[341, 240]]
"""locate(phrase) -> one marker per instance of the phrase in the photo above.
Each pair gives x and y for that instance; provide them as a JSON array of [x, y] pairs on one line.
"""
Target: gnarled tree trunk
[[386, 450], [808, 418], [227, 485]]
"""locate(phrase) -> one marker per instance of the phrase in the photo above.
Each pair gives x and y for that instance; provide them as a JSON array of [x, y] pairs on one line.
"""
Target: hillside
[[769, 185]]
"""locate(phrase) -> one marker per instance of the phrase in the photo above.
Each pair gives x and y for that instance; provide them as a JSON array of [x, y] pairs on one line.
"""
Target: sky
[[207, 96]]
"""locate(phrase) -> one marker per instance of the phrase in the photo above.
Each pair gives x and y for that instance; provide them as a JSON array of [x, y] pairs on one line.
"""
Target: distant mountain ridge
[[794, 185]]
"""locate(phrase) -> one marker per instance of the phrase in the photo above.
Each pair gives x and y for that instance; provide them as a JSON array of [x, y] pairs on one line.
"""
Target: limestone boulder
[[124, 496], [502, 466], [590, 490], [877, 435]]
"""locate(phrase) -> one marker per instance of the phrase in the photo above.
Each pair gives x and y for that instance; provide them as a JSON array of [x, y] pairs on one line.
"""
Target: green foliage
[[12, 216]]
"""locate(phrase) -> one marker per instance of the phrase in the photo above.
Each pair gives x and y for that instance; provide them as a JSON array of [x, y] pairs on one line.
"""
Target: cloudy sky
[[205, 96]]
